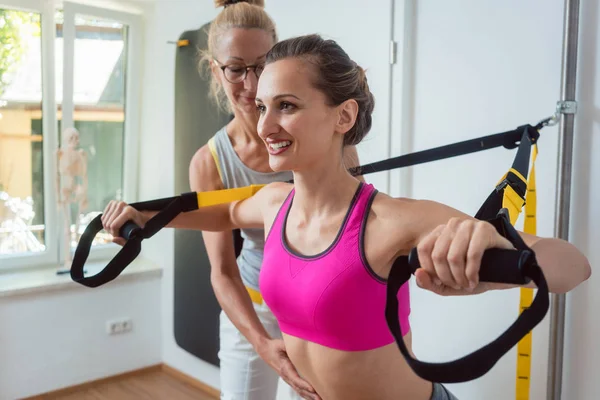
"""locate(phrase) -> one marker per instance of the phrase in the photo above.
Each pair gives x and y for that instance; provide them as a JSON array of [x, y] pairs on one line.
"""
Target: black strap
[[169, 209], [489, 209], [508, 140], [502, 266]]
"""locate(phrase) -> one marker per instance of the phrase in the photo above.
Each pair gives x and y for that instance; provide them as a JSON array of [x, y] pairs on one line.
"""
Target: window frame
[[52, 257], [132, 98]]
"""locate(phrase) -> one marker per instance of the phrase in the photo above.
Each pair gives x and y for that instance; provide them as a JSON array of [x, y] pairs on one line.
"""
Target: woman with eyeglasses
[[252, 353]]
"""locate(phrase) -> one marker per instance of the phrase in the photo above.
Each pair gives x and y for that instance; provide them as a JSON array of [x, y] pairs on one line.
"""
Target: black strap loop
[[502, 266], [169, 209]]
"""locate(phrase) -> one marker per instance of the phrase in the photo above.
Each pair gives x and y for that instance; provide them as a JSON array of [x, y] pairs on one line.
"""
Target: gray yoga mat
[[196, 310]]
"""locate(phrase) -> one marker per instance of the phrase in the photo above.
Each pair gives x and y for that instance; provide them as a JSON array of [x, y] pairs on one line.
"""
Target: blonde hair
[[246, 14]]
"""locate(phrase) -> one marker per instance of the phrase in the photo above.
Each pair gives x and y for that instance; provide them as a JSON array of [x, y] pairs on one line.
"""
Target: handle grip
[[129, 230], [497, 265]]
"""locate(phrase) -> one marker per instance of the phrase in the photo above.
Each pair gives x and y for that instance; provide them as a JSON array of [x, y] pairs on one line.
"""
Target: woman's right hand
[[116, 214], [275, 355]]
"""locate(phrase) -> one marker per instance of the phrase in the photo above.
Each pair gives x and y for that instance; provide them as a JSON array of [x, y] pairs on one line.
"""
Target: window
[[68, 126], [22, 222]]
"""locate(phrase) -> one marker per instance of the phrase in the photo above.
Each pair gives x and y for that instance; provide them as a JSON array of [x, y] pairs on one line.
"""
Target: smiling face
[[237, 49], [297, 122]]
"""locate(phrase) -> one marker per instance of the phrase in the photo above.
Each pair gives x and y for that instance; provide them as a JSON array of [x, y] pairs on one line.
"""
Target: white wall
[[50, 340], [482, 68]]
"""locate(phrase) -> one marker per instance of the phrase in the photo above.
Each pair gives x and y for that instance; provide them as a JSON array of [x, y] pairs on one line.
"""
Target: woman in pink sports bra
[[331, 239]]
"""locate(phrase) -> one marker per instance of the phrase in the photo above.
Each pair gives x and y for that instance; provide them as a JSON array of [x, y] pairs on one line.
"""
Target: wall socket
[[118, 326]]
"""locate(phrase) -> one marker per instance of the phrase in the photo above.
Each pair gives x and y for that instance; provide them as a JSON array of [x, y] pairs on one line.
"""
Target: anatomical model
[[72, 184]]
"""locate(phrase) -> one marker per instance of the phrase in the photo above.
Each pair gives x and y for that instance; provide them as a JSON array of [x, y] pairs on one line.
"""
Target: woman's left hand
[[450, 256]]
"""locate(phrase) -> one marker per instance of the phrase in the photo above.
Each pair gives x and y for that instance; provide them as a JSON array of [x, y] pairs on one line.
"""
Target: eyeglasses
[[237, 73]]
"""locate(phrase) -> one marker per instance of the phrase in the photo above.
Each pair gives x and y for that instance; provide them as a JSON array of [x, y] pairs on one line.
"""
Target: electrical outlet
[[118, 326], [126, 325], [113, 327]]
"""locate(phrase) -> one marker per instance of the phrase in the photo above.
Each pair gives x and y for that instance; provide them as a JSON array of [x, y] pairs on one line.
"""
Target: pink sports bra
[[333, 298]]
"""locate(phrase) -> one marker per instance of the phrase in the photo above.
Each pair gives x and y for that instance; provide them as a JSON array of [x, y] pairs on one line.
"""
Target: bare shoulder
[[203, 171], [392, 218], [408, 209], [270, 198], [391, 207], [392, 230], [275, 193]]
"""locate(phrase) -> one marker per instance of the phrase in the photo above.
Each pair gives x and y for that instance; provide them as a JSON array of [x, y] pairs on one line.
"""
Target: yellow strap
[[513, 202], [511, 199], [524, 346], [214, 197], [255, 295], [182, 42], [518, 174]]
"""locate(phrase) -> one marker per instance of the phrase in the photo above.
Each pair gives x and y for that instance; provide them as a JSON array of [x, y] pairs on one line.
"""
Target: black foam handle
[[497, 265], [129, 230]]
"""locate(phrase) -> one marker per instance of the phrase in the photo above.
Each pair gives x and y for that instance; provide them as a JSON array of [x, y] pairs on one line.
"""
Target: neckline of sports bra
[[338, 236]]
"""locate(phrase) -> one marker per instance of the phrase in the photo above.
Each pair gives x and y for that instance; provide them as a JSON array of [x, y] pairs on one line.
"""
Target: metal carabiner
[[550, 121]]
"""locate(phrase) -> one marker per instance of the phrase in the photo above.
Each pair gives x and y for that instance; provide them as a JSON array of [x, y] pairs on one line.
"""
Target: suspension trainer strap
[[523, 378], [169, 209], [508, 140], [510, 191], [501, 208]]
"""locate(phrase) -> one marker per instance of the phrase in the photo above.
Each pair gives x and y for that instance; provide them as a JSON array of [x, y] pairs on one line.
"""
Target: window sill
[[45, 280]]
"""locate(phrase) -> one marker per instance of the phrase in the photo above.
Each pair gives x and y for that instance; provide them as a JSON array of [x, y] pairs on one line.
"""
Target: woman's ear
[[214, 70], [347, 114]]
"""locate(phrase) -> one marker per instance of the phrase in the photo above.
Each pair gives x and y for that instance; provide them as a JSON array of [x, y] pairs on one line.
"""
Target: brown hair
[[338, 77], [247, 14]]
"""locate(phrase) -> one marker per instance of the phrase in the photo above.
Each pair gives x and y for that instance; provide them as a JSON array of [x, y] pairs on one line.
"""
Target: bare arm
[[226, 217], [450, 246], [225, 276], [228, 285], [247, 213]]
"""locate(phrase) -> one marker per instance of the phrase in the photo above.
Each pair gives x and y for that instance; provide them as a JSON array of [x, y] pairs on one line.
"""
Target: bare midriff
[[380, 374]]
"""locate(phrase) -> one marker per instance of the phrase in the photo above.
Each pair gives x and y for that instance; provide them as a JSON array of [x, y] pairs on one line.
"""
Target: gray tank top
[[234, 173]]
